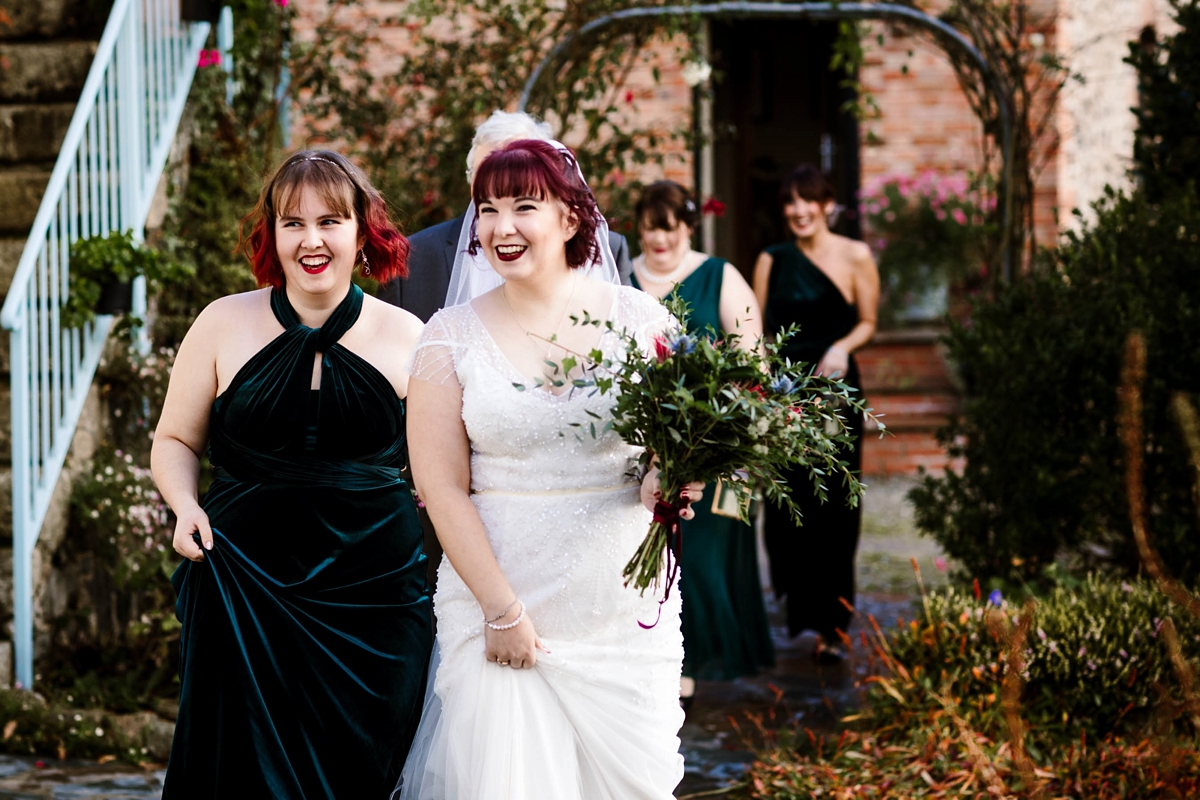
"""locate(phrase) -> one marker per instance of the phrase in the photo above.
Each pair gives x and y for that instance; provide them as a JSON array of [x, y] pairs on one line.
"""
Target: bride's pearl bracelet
[[509, 625]]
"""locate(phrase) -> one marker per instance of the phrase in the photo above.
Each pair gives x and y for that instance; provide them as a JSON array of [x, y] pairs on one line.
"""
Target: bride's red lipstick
[[510, 256]]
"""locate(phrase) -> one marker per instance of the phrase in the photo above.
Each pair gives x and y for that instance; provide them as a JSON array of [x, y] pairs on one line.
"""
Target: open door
[[776, 105]]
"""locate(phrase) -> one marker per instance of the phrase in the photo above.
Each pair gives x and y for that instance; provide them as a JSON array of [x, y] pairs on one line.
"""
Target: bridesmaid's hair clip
[[319, 158]]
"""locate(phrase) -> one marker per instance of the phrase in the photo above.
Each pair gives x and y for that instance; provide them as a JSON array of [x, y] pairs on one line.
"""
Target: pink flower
[[940, 563], [209, 58], [940, 214], [959, 215], [281, 3], [662, 348], [629, 95]]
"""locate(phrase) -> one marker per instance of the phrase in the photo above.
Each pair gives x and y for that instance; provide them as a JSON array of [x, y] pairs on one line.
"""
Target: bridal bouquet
[[707, 410]]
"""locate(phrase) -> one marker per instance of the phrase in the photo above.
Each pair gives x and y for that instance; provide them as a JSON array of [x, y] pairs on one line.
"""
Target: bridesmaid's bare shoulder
[[232, 314], [393, 324]]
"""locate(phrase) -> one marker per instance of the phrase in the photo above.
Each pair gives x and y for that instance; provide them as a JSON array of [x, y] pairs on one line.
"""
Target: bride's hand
[[516, 647], [652, 493]]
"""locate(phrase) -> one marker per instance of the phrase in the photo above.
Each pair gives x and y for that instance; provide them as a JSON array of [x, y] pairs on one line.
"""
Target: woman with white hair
[[436, 249]]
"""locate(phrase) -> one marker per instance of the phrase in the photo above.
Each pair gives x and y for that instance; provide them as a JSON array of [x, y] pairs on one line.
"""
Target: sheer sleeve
[[646, 318], [435, 359]]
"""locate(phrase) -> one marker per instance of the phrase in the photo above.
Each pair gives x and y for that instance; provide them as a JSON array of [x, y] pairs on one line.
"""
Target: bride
[[545, 685]]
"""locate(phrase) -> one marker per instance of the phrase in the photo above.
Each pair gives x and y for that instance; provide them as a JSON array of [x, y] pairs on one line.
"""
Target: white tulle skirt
[[598, 717]]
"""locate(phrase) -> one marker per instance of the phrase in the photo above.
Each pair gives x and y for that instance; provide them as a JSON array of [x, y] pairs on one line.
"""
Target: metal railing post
[[22, 483]]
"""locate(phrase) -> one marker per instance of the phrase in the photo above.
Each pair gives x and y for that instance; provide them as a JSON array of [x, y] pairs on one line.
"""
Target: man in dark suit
[[431, 257], [431, 254]]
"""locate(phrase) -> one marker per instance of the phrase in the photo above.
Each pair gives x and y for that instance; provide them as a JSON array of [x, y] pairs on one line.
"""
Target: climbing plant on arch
[[983, 39]]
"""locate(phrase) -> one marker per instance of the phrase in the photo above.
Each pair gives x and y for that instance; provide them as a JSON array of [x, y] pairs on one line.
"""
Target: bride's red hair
[[534, 168], [346, 190]]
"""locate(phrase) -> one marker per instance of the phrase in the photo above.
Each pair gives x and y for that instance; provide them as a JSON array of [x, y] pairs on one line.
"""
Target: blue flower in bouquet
[[995, 598], [783, 385], [683, 344]]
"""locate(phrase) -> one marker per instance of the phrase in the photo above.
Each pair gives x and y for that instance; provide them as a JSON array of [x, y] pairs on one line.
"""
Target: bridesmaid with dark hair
[[725, 631], [829, 286]]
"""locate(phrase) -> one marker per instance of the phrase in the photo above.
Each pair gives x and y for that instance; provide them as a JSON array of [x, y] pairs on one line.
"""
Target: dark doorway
[[776, 106]]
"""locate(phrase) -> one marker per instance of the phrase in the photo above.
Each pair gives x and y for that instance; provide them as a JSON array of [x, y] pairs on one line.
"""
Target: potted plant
[[928, 233], [102, 273]]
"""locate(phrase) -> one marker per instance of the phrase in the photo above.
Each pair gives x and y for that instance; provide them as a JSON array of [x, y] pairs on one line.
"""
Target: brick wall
[[925, 124]]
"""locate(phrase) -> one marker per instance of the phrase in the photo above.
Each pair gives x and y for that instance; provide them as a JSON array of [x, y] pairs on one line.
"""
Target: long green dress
[[306, 629], [813, 564], [724, 620]]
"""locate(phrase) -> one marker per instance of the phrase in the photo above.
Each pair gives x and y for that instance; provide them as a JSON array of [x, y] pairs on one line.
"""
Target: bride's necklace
[[671, 277], [558, 328]]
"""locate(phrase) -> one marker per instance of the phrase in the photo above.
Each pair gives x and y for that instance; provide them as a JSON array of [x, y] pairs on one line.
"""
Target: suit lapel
[[452, 235]]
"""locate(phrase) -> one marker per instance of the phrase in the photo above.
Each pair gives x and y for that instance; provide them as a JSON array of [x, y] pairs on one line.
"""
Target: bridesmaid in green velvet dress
[[829, 286], [725, 632], [306, 623]]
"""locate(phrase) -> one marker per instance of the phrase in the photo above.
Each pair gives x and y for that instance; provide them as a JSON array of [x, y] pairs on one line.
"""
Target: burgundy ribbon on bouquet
[[667, 515]]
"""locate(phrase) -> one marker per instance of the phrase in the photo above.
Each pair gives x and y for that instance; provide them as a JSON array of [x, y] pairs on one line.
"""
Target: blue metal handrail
[[105, 178]]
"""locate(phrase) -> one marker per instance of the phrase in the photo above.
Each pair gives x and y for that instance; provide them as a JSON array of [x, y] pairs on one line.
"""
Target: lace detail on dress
[[435, 356]]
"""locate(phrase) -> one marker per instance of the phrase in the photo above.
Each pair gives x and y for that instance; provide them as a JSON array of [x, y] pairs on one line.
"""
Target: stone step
[[905, 453], [44, 72], [6, 434], [11, 248], [21, 190], [47, 19], [6, 574], [33, 132], [913, 412], [904, 368]]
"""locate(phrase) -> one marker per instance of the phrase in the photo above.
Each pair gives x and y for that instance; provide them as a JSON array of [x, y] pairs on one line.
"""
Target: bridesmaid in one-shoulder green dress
[[829, 286], [306, 625], [725, 630]]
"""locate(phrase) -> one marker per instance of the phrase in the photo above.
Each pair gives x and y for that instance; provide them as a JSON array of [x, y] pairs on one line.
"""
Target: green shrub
[[1092, 658], [934, 723], [30, 725], [1043, 465]]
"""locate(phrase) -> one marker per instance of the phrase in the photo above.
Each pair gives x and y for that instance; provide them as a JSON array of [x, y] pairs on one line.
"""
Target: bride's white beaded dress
[[598, 717]]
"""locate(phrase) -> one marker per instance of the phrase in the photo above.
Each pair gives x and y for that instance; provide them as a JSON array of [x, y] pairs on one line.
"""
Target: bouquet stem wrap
[[664, 541]]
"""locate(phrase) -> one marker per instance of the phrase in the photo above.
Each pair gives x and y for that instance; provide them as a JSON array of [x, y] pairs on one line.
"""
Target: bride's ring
[[503, 663]]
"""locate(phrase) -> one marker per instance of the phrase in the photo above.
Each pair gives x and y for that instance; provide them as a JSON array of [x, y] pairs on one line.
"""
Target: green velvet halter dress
[[813, 564], [306, 629], [724, 620]]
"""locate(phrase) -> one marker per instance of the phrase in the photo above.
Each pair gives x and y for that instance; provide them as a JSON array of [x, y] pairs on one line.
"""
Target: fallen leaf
[[9, 729], [104, 759]]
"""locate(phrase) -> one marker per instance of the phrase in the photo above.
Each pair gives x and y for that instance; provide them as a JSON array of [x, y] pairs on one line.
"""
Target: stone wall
[[1095, 120]]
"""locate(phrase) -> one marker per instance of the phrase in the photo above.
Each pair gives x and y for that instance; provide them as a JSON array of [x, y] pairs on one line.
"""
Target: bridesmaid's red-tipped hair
[[534, 168], [346, 190]]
